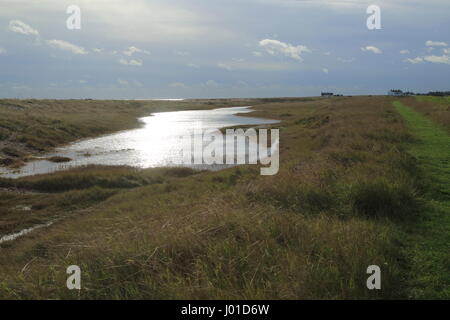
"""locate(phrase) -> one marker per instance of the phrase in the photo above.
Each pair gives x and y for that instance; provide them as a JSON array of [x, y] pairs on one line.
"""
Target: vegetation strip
[[428, 239]]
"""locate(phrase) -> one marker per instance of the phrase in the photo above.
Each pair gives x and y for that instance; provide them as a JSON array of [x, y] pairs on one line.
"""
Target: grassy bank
[[428, 240], [346, 190]]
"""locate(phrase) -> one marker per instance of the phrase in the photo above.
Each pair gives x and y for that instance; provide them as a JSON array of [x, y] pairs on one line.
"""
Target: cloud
[[21, 27], [132, 62], [430, 43], [438, 59], [225, 66], [350, 60], [135, 62], [181, 53], [372, 49], [212, 84], [258, 66], [444, 58], [275, 47], [432, 58], [257, 54], [2, 50], [404, 51], [132, 50], [66, 46], [98, 50], [193, 65], [177, 85], [325, 70], [414, 60], [129, 83]]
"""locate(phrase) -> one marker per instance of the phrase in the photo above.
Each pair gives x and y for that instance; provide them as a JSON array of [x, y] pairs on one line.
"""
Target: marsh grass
[[310, 232]]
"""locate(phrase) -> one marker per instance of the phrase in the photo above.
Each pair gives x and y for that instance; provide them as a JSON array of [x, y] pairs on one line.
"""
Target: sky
[[156, 49]]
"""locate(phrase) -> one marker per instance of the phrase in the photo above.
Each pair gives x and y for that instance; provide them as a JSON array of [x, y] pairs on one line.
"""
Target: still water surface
[[157, 143]]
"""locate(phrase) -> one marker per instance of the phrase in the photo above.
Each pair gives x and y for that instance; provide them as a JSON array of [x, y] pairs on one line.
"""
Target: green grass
[[428, 240]]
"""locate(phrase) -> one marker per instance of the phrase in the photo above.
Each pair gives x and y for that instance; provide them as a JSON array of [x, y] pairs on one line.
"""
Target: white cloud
[[225, 66], [2, 50], [372, 49], [132, 62], [430, 43], [350, 60], [181, 53], [135, 62], [242, 83], [238, 64], [21, 27], [193, 65], [257, 54], [275, 47], [211, 83], [66, 46], [132, 50], [98, 50], [177, 85], [325, 70], [129, 83], [404, 51], [438, 59], [414, 60], [432, 58], [446, 51]]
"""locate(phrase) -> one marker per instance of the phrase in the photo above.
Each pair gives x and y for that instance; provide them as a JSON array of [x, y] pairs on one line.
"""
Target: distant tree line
[[435, 93], [409, 93]]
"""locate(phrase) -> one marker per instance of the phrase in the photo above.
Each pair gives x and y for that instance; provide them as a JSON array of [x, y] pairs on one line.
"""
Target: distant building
[[327, 94], [396, 93], [400, 93]]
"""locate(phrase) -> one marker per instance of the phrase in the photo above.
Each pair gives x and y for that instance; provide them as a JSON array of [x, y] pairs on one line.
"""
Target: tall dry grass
[[309, 232]]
